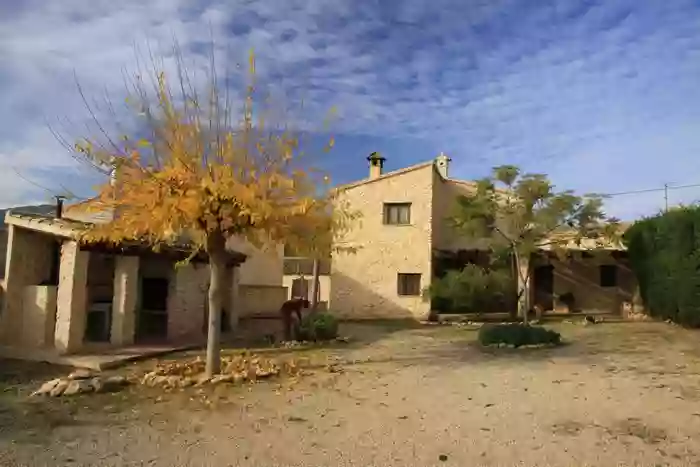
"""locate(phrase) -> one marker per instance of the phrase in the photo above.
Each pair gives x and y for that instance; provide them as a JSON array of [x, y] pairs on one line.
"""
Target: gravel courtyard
[[619, 394]]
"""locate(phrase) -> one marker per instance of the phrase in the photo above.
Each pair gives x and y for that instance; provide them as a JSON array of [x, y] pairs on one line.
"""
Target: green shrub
[[517, 335], [473, 289], [318, 327], [664, 253]]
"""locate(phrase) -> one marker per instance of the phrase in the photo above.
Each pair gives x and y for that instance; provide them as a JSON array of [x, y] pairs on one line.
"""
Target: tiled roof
[[71, 228], [393, 173]]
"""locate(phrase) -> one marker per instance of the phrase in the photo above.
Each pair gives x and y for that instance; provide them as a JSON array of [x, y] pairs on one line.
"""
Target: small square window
[[408, 284], [608, 275], [397, 213]]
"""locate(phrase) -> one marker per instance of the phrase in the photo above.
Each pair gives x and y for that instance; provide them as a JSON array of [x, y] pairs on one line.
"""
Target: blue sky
[[602, 95]]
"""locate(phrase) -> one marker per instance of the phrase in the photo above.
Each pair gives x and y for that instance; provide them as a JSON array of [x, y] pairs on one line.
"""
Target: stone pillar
[[71, 306], [126, 290], [186, 303], [233, 305]]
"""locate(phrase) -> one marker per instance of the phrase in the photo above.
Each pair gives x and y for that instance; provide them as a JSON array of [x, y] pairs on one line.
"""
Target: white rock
[[148, 377], [47, 387], [59, 388], [116, 381], [81, 373], [78, 386], [97, 384], [222, 379]]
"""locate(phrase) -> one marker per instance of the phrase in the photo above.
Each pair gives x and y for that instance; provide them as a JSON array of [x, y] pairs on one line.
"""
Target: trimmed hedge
[[517, 335], [664, 253], [318, 327]]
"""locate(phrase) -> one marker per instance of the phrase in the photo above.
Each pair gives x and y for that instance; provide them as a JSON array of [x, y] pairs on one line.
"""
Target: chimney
[[376, 165], [442, 162], [59, 206]]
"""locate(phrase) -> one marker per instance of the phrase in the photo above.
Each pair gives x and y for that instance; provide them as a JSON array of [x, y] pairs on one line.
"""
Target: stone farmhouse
[[403, 236], [58, 295]]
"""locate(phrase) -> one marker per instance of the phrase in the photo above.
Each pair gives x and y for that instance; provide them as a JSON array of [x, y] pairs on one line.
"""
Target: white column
[[126, 290], [233, 301], [71, 306]]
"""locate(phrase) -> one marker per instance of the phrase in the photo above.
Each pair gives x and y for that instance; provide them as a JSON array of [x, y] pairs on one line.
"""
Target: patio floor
[[95, 357]]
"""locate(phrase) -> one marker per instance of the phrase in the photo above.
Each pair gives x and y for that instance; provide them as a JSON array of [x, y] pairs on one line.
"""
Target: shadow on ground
[[33, 420]]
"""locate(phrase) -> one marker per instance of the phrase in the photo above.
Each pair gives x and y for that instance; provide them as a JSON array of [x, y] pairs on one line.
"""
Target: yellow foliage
[[199, 174]]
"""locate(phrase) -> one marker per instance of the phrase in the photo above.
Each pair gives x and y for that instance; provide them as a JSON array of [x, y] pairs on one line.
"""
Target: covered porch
[[63, 298], [584, 280]]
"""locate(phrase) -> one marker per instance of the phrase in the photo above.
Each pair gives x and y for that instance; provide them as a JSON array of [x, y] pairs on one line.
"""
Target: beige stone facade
[[59, 295], [368, 283], [364, 283]]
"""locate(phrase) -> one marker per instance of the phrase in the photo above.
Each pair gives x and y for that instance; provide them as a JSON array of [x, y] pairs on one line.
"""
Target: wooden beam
[[174, 253]]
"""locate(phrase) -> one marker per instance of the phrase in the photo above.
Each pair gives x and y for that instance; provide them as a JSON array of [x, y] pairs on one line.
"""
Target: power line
[[665, 188]]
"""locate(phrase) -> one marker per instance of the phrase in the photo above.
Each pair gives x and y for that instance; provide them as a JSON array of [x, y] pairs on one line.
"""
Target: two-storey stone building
[[403, 230]]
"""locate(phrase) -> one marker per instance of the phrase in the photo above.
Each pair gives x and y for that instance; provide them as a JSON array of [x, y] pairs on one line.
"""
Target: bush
[[664, 253], [517, 335], [474, 289], [318, 327]]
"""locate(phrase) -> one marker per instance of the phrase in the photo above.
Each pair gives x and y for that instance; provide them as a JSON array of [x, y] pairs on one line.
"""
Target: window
[[300, 288], [608, 275], [408, 284], [397, 213]]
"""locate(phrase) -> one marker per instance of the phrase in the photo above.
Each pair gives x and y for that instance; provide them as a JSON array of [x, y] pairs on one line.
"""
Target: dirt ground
[[618, 394]]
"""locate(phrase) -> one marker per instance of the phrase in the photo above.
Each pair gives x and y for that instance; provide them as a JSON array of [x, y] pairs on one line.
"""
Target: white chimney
[[376, 165], [442, 162]]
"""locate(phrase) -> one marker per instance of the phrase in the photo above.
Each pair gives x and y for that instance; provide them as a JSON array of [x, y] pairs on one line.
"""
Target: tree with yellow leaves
[[201, 176]]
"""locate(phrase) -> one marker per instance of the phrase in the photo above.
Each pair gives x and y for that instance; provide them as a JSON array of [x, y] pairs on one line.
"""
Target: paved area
[[97, 357], [619, 394]]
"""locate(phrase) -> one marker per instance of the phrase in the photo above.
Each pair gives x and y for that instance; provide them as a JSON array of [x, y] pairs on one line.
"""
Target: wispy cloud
[[604, 96]]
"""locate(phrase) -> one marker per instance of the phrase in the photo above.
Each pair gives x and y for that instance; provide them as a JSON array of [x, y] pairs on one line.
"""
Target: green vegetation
[[517, 335], [318, 327], [472, 290], [518, 214], [664, 252]]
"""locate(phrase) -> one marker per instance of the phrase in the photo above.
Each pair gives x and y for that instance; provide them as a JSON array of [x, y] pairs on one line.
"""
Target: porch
[[63, 298]]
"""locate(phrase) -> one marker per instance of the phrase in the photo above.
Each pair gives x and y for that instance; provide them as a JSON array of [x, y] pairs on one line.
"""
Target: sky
[[603, 96]]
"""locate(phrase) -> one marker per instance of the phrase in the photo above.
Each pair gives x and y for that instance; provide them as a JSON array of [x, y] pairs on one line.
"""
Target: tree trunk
[[216, 248], [522, 288], [516, 276], [314, 285]]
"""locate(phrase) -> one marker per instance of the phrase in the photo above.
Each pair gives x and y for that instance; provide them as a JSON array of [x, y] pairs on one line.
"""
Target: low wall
[[260, 299], [38, 315]]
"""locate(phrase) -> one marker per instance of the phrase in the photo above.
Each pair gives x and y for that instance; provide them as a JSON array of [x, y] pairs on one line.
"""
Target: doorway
[[152, 321], [100, 294], [544, 286]]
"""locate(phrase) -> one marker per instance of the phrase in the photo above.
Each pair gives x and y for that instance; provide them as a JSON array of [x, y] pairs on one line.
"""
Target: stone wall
[[260, 299], [581, 277], [364, 284], [3, 249], [262, 266], [28, 263], [38, 315], [187, 297], [125, 300], [71, 301]]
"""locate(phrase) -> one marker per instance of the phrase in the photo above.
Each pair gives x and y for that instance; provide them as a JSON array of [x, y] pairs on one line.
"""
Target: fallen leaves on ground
[[236, 369]]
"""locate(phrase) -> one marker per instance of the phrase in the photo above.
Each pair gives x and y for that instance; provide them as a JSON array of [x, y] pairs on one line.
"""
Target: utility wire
[[652, 190]]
